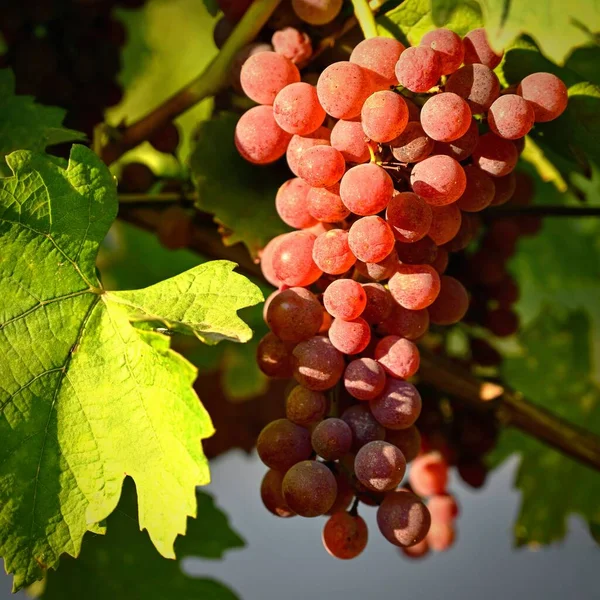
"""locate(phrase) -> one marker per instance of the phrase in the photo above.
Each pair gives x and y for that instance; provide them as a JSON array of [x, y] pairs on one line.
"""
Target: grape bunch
[[393, 152]]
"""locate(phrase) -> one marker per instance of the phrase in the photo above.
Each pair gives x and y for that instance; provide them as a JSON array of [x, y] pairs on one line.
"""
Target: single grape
[[445, 117], [479, 192], [331, 439], [292, 259], [318, 365], [406, 323], [331, 252], [414, 111], [345, 494], [378, 271], [272, 495], [366, 189], [317, 12], [443, 509], [445, 223], [461, 148], [309, 488], [265, 74], [305, 407], [379, 303], [408, 441], [504, 189], [364, 378], [294, 315], [502, 322], [290, 203], [350, 337], [350, 139], [398, 406], [546, 93], [325, 204], [440, 264], [293, 44], [345, 299], [477, 84], [240, 59], [421, 252], [478, 50], [417, 551], [364, 426], [495, 155], [448, 46], [371, 239], [274, 357], [412, 145], [403, 519], [297, 110], [266, 261], [409, 216], [473, 473], [469, 228], [418, 69], [165, 139], [441, 536], [379, 466], [379, 55], [321, 166], [415, 286], [505, 293], [451, 304], [345, 535], [398, 356], [511, 117], [384, 116], [282, 444], [258, 138], [298, 144], [428, 474], [487, 267], [439, 180], [136, 178]]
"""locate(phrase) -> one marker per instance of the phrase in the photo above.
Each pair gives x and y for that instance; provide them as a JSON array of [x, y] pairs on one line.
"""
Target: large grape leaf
[[85, 397], [123, 565], [554, 370], [239, 194]]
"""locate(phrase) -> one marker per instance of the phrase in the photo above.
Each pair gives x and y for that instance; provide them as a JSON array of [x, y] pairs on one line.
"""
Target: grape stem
[[365, 18]]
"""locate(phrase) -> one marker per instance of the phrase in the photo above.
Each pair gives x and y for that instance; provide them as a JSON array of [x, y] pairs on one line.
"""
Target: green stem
[[366, 19]]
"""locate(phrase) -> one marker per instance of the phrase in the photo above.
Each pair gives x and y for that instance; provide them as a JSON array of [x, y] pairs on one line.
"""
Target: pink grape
[[421, 252], [429, 474], [441, 536], [398, 356], [440, 264], [309, 488], [345, 299], [258, 138], [273, 357], [318, 365], [504, 189], [443, 508], [350, 337], [282, 444], [408, 441], [364, 378], [290, 203], [419, 550], [332, 439], [265, 74], [412, 145], [272, 495], [415, 286], [398, 406], [305, 407], [325, 204], [452, 303], [379, 466], [462, 147], [546, 93], [502, 322], [321, 166], [317, 12], [294, 315], [365, 428], [343, 88], [478, 50], [349, 138], [479, 192], [445, 117], [414, 111], [292, 259], [297, 110], [379, 55], [418, 69], [439, 180], [403, 519], [345, 535], [293, 44], [409, 216], [379, 303], [477, 84], [495, 155], [511, 117], [345, 494], [445, 223], [331, 252], [371, 239], [448, 46], [384, 116], [240, 59], [378, 271], [298, 144], [266, 261], [469, 227], [406, 323], [366, 189]]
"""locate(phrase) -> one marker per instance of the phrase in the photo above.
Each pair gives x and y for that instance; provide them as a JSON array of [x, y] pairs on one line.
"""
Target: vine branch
[[364, 16]]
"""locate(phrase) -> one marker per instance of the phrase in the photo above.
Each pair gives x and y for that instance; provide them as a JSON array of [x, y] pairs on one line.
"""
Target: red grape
[[384, 116], [165, 139], [294, 315], [364, 378], [511, 117], [443, 508], [546, 93], [419, 550], [479, 192], [445, 117], [345, 299], [440, 264], [418, 69], [415, 286], [504, 189], [379, 303], [383, 269], [421, 252], [135, 178], [477, 84], [451, 304], [366, 189], [265, 74], [502, 322], [318, 365], [448, 46], [309, 488], [272, 495], [298, 144], [441, 536], [403, 519], [445, 223], [321, 166], [409, 216], [412, 145], [305, 407], [297, 110], [332, 253], [273, 357], [293, 44], [332, 439], [439, 180], [403, 322], [349, 138], [290, 203], [398, 406], [364, 426], [478, 50], [282, 444], [266, 261], [379, 466], [398, 356], [408, 441], [345, 535], [370, 239], [429, 474], [292, 259], [462, 147], [325, 204], [317, 12], [495, 155], [379, 55], [350, 337]]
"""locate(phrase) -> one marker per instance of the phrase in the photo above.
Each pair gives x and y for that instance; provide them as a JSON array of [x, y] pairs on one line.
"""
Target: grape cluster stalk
[[394, 153]]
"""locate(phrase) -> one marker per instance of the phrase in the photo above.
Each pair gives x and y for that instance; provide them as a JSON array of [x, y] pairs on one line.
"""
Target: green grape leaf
[[123, 563], [86, 398], [555, 351], [26, 125], [240, 195]]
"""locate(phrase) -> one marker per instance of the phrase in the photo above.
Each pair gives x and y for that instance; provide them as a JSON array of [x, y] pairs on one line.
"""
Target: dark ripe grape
[[293, 44], [502, 322], [417, 551], [443, 509], [350, 337], [495, 155], [175, 228], [473, 473], [439, 180], [321, 166], [445, 117], [414, 111], [546, 93], [332, 439], [293, 263], [258, 138], [505, 188], [467, 232], [345, 536], [282, 444], [483, 353], [408, 441], [412, 145], [379, 466], [364, 378], [429, 474], [378, 271], [291, 201], [384, 116], [165, 139], [422, 252], [511, 117], [331, 252], [477, 84], [461, 148], [294, 315], [451, 304], [345, 299], [272, 495], [273, 357], [136, 177], [371, 239], [325, 204], [309, 488], [479, 192], [478, 50], [265, 74], [441, 536], [379, 303], [409, 216], [297, 110], [502, 237], [298, 144], [345, 494], [364, 426], [524, 190], [418, 69], [349, 138], [403, 519], [487, 267], [379, 55], [448, 46], [406, 323], [440, 264], [305, 407], [366, 189], [445, 223], [343, 88], [398, 356], [415, 286], [317, 12], [318, 364], [398, 406], [266, 261], [519, 145], [222, 31], [506, 293]]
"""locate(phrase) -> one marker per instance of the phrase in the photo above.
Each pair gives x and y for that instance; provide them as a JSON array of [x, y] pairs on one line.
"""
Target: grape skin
[[429, 474], [479, 191], [478, 50], [461, 148], [379, 55], [504, 189], [298, 144], [477, 84], [417, 551], [452, 303], [317, 12], [421, 252], [511, 117], [379, 303], [443, 509], [345, 299], [412, 145], [309, 488], [408, 441], [445, 223], [318, 365], [371, 239], [332, 439], [415, 286], [293, 44], [265, 74], [345, 535], [409, 217], [273, 357], [502, 322], [378, 271], [364, 379], [448, 46], [349, 138], [350, 337], [469, 227], [398, 406], [366, 189], [282, 444], [321, 166], [365, 428], [290, 203], [292, 259], [495, 155], [272, 495], [441, 536], [345, 494], [418, 69], [266, 261], [331, 252], [406, 323], [294, 315], [398, 356], [384, 116], [403, 519], [297, 110], [379, 466], [325, 204], [305, 407], [445, 117], [440, 264], [546, 93], [439, 180]]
